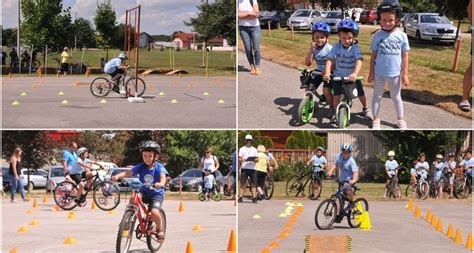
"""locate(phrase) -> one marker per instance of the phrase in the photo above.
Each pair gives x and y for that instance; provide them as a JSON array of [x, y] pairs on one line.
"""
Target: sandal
[[465, 106]]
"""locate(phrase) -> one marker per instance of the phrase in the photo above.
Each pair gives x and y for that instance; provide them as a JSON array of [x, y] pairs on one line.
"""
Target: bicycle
[[267, 190], [145, 227], [462, 184], [101, 86], [103, 193], [334, 209], [421, 189], [308, 104], [394, 189], [214, 194], [296, 185], [343, 109]]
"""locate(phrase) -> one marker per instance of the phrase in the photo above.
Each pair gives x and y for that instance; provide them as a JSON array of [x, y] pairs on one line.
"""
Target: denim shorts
[[154, 201]]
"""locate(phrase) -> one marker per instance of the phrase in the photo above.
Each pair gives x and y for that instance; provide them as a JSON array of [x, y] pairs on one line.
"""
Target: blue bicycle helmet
[[348, 25], [321, 27], [346, 146]]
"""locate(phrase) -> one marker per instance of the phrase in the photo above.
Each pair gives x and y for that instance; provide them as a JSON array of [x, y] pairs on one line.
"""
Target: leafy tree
[[419, 6], [8, 37], [131, 155], [305, 140], [274, 5], [258, 139], [84, 33], [104, 145], [37, 148], [105, 24]]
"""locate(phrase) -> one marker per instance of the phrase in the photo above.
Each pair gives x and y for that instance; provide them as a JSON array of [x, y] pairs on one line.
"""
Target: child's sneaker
[[376, 124], [402, 124], [254, 200]]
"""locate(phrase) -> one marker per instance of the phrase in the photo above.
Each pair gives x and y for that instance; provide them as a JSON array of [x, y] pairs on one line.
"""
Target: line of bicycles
[[106, 195]]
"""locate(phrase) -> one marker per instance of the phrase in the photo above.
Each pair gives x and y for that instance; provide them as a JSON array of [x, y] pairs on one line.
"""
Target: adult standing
[[15, 171], [69, 158], [13, 59], [234, 174], [467, 82], [65, 60], [208, 162], [249, 27], [248, 157]]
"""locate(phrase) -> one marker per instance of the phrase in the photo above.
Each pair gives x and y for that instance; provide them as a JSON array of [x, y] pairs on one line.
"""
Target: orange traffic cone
[[428, 215], [439, 226], [265, 250], [458, 238], [274, 244], [181, 207], [35, 204], [469, 241], [410, 205], [189, 248], [450, 233], [417, 212], [433, 221], [13, 250], [231, 246], [55, 208], [93, 206], [45, 199]]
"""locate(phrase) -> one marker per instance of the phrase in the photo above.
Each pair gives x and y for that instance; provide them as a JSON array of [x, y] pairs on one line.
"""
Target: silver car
[[332, 19], [304, 19], [431, 27]]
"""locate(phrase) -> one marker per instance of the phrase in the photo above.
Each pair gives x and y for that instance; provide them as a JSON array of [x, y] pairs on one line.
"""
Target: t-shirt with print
[[208, 181], [246, 152], [209, 163], [112, 65], [389, 47], [438, 170], [347, 167], [76, 167], [452, 165], [391, 166], [320, 56], [318, 162], [422, 165], [467, 162], [245, 6], [149, 176], [345, 59]]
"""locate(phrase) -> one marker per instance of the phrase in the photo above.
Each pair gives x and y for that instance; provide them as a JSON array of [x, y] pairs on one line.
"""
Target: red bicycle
[[146, 227]]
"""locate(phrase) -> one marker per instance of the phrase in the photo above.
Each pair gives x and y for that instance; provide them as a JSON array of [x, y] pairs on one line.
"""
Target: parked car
[[191, 180], [278, 19], [404, 18], [368, 17], [304, 19], [227, 183], [55, 176], [125, 184], [107, 166], [332, 19], [38, 178], [431, 27]]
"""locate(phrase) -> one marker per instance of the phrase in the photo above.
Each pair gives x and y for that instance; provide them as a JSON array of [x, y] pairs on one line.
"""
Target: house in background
[[144, 40], [184, 40]]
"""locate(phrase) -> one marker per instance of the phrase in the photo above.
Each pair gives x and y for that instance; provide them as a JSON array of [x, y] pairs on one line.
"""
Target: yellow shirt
[[262, 162], [65, 57]]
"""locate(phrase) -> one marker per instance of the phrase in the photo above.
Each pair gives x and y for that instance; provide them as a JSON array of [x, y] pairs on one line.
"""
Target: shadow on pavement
[[243, 69]]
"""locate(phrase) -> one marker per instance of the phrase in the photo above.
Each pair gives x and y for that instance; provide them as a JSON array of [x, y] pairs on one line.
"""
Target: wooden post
[[269, 29], [456, 54], [180, 184], [292, 32]]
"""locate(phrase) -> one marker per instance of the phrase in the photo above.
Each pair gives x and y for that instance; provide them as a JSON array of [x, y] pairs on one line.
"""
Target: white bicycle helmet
[[123, 56], [80, 151], [391, 153]]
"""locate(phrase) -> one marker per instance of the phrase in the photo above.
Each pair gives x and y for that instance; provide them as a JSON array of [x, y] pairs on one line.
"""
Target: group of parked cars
[[432, 27]]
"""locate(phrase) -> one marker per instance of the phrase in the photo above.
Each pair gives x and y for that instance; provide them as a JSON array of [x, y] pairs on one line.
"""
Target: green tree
[[304, 140], [37, 148], [258, 139], [84, 33], [419, 6], [131, 155], [105, 23], [106, 146], [8, 37], [46, 23], [273, 5]]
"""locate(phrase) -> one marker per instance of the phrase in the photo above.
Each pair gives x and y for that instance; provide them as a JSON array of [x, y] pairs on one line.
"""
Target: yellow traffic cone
[[439, 226], [366, 225], [71, 216], [410, 205], [197, 228], [232, 245], [35, 204], [258, 217], [23, 230], [45, 199], [189, 248], [70, 240], [450, 232], [93, 206], [181, 207], [428, 215], [458, 238], [469, 241], [34, 223], [433, 221], [417, 212]]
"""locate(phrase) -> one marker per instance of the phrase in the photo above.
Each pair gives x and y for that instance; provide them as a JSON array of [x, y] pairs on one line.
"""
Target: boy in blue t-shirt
[[319, 163], [346, 58], [208, 183], [318, 52], [349, 172], [389, 61], [116, 68], [152, 174], [391, 168]]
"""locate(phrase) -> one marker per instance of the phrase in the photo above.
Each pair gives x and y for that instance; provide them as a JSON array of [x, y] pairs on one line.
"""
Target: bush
[[286, 170]]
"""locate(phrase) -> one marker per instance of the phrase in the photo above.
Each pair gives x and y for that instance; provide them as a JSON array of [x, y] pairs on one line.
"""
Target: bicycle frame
[[345, 104], [138, 206]]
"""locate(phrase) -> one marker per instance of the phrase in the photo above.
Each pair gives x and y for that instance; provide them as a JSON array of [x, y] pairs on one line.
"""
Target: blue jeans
[[251, 38], [15, 184]]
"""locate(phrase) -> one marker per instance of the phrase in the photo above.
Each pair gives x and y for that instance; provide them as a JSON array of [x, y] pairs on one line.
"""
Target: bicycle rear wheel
[[154, 244], [269, 187], [325, 214], [314, 195], [461, 191], [422, 190], [306, 109], [106, 196], [354, 217], [216, 196], [293, 186], [100, 87], [133, 86], [125, 232], [410, 190], [201, 196], [65, 194]]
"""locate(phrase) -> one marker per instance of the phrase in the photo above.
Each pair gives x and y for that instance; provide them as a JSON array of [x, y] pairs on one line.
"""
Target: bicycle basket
[[305, 78], [350, 90]]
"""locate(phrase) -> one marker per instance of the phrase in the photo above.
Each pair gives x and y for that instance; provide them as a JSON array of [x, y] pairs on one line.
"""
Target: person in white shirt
[[248, 157], [249, 28]]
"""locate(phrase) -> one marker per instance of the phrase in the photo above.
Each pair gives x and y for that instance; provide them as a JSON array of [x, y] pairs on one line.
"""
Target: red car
[[368, 16]]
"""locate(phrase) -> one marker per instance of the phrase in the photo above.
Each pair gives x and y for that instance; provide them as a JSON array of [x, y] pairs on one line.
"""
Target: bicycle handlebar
[[341, 78]]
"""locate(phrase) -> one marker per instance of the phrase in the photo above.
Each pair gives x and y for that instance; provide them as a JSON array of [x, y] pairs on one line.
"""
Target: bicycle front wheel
[[306, 109], [343, 118], [354, 217], [100, 87], [422, 190], [315, 193], [125, 232], [106, 196], [216, 196], [135, 86], [325, 214], [461, 191], [153, 242], [65, 194], [410, 190], [293, 186]]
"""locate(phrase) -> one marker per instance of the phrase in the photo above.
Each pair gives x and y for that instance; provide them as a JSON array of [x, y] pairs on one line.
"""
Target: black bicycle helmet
[[392, 6], [150, 146]]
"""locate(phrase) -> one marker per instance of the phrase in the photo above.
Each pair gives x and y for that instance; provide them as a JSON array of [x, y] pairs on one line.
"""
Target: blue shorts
[[153, 201], [338, 90], [207, 190]]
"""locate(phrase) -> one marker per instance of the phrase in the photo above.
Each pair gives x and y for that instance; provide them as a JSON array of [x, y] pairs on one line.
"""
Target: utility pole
[[18, 39]]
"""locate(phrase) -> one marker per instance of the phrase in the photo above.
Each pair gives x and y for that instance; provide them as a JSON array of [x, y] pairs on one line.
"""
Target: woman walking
[[250, 32], [15, 171]]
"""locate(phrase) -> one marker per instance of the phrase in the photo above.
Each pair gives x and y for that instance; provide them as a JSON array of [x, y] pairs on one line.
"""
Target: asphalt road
[[271, 100], [96, 230], [41, 107], [394, 229]]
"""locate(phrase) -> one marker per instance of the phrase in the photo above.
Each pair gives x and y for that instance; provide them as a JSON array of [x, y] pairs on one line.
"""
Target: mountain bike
[[308, 104], [335, 208], [394, 189], [295, 186], [214, 194], [137, 210], [101, 86], [106, 194], [462, 184], [421, 189], [267, 190]]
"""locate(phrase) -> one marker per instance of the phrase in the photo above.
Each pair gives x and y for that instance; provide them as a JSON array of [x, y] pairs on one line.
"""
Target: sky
[[157, 16]]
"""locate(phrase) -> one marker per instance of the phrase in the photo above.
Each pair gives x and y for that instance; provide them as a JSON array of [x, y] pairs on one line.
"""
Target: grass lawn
[[220, 63], [431, 79]]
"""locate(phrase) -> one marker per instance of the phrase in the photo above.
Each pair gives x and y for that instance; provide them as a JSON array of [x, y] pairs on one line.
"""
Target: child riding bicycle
[[346, 58], [319, 164], [421, 169], [116, 68], [468, 163], [438, 167], [389, 61], [150, 172], [391, 168], [318, 52], [349, 172], [80, 169]]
